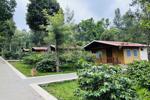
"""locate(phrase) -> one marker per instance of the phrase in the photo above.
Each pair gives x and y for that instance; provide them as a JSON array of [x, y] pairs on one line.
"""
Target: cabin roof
[[40, 48], [116, 44]]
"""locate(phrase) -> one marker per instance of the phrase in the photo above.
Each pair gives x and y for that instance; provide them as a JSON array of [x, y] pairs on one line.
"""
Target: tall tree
[[69, 15], [7, 29], [21, 39], [112, 34], [117, 19], [56, 28], [145, 16], [89, 30], [7, 8], [35, 18]]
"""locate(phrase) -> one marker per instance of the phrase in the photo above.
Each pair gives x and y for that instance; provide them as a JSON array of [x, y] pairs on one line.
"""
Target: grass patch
[[63, 90], [26, 69]]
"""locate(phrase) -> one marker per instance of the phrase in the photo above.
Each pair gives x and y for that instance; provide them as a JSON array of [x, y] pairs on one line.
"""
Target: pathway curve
[[14, 87]]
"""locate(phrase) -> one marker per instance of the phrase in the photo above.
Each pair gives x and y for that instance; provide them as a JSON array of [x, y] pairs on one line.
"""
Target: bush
[[10, 55], [46, 65], [15, 55], [32, 59], [104, 83], [71, 59], [140, 73], [7, 54]]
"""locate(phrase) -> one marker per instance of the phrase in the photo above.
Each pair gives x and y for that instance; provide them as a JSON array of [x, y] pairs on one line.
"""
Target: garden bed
[[26, 69], [62, 90], [65, 91]]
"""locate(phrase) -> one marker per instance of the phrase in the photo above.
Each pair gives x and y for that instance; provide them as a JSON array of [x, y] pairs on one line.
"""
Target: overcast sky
[[83, 9]]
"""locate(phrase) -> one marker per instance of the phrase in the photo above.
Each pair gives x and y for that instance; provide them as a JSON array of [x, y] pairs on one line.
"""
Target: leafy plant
[[73, 59], [11, 55], [32, 59], [143, 93], [46, 65], [140, 73], [104, 83]]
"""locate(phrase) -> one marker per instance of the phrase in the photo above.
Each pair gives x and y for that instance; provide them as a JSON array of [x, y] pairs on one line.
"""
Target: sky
[[83, 9]]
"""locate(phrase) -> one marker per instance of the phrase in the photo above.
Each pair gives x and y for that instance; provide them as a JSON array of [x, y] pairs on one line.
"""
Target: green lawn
[[26, 69], [62, 90]]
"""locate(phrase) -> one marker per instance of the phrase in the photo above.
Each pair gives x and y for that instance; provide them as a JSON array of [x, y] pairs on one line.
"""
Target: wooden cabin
[[43, 49], [117, 52], [25, 50]]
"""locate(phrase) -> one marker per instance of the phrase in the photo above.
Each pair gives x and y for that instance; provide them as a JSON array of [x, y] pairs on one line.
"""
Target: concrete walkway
[[14, 87]]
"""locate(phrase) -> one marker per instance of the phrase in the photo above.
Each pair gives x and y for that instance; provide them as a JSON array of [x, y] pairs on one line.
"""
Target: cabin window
[[135, 52], [128, 53], [98, 55]]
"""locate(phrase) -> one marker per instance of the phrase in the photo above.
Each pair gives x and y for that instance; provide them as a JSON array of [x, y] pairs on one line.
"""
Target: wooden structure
[[117, 52], [43, 49], [25, 50]]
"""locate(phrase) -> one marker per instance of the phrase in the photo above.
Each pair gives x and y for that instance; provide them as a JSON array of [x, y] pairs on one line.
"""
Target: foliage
[[57, 28], [32, 59], [46, 65], [7, 25], [10, 55], [144, 16], [143, 93], [88, 30], [139, 72], [117, 19], [7, 30], [35, 17], [7, 9], [111, 34], [73, 59], [104, 83]]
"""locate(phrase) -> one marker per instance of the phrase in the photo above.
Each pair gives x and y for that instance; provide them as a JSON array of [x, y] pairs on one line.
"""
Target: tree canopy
[[7, 8], [35, 16]]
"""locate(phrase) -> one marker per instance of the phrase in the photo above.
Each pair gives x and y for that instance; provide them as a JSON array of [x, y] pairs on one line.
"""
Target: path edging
[[43, 93], [22, 76]]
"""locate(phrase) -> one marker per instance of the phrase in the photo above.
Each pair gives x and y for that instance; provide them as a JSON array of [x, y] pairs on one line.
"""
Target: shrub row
[[140, 73], [104, 83]]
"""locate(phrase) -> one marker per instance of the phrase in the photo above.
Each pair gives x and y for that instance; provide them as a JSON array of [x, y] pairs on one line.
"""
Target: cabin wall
[[118, 56], [131, 58], [144, 54], [102, 56]]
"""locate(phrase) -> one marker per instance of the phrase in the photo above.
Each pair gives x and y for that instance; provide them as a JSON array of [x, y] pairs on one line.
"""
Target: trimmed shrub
[[140, 73], [104, 83], [46, 65], [32, 59]]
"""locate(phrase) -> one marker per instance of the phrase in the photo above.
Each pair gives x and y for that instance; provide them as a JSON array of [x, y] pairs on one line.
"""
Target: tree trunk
[[57, 59], [10, 46]]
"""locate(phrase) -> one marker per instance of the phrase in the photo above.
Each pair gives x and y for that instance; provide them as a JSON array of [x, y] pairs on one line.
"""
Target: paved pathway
[[13, 87]]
